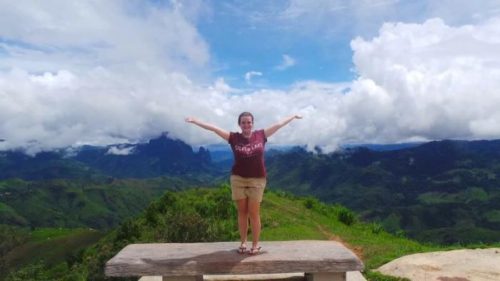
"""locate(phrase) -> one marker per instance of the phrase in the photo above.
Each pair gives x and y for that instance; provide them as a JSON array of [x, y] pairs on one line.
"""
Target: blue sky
[[240, 45], [247, 36], [369, 71]]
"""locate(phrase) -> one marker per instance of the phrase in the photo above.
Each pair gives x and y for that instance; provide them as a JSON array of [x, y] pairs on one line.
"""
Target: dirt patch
[[358, 251]]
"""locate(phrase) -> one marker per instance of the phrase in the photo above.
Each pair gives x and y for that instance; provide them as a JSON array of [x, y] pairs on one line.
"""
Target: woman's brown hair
[[243, 114]]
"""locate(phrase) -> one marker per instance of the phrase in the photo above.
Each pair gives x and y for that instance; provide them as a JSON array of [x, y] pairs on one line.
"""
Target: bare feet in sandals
[[255, 250], [242, 249]]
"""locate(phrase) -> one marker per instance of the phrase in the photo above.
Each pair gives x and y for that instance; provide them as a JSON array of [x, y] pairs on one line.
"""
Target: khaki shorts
[[251, 188]]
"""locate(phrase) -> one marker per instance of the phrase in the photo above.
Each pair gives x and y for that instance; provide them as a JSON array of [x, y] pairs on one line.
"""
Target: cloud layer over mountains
[[113, 71]]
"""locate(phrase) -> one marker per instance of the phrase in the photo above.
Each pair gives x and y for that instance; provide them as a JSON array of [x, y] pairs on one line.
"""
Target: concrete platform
[[305, 260], [351, 276]]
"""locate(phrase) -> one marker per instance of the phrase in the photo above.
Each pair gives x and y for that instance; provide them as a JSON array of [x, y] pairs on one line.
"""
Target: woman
[[248, 175]]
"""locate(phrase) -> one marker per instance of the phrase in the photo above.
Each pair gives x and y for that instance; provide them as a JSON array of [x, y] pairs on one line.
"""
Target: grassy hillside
[[209, 215], [78, 203], [292, 218]]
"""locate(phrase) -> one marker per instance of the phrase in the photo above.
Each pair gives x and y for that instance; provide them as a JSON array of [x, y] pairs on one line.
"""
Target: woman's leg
[[242, 206], [254, 213]]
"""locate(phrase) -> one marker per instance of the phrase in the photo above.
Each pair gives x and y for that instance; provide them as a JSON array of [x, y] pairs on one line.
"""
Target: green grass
[[48, 233], [288, 219], [291, 218]]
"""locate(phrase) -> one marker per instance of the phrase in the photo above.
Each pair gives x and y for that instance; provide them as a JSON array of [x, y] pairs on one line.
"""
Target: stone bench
[[319, 260]]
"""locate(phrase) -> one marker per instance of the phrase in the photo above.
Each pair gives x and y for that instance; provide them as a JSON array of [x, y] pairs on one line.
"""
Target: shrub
[[400, 233], [376, 228], [346, 216], [311, 202], [285, 194]]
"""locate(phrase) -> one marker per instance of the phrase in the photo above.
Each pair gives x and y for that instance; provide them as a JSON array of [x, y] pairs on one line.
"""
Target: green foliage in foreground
[[204, 215], [78, 203]]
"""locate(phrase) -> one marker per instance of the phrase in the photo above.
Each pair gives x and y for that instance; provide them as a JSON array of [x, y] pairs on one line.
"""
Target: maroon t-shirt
[[248, 154]]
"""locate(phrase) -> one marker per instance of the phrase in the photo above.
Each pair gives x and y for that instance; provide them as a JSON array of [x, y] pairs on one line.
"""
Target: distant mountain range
[[159, 156], [96, 187], [442, 191]]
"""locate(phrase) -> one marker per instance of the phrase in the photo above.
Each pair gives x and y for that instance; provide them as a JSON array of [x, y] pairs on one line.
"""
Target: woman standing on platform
[[248, 175]]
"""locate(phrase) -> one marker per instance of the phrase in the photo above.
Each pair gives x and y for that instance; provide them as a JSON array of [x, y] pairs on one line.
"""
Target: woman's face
[[246, 124]]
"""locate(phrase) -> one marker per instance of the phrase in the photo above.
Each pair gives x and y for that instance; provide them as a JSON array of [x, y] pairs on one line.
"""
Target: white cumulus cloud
[[440, 81], [50, 35]]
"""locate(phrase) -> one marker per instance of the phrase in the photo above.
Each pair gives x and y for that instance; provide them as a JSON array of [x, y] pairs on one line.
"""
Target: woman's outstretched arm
[[271, 130], [220, 132]]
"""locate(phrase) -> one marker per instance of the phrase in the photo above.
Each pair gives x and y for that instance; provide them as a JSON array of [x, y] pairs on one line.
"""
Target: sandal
[[242, 249], [255, 250]]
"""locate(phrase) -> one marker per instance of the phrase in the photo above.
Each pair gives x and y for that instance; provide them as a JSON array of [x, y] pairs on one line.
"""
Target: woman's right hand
[[222, 133]]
